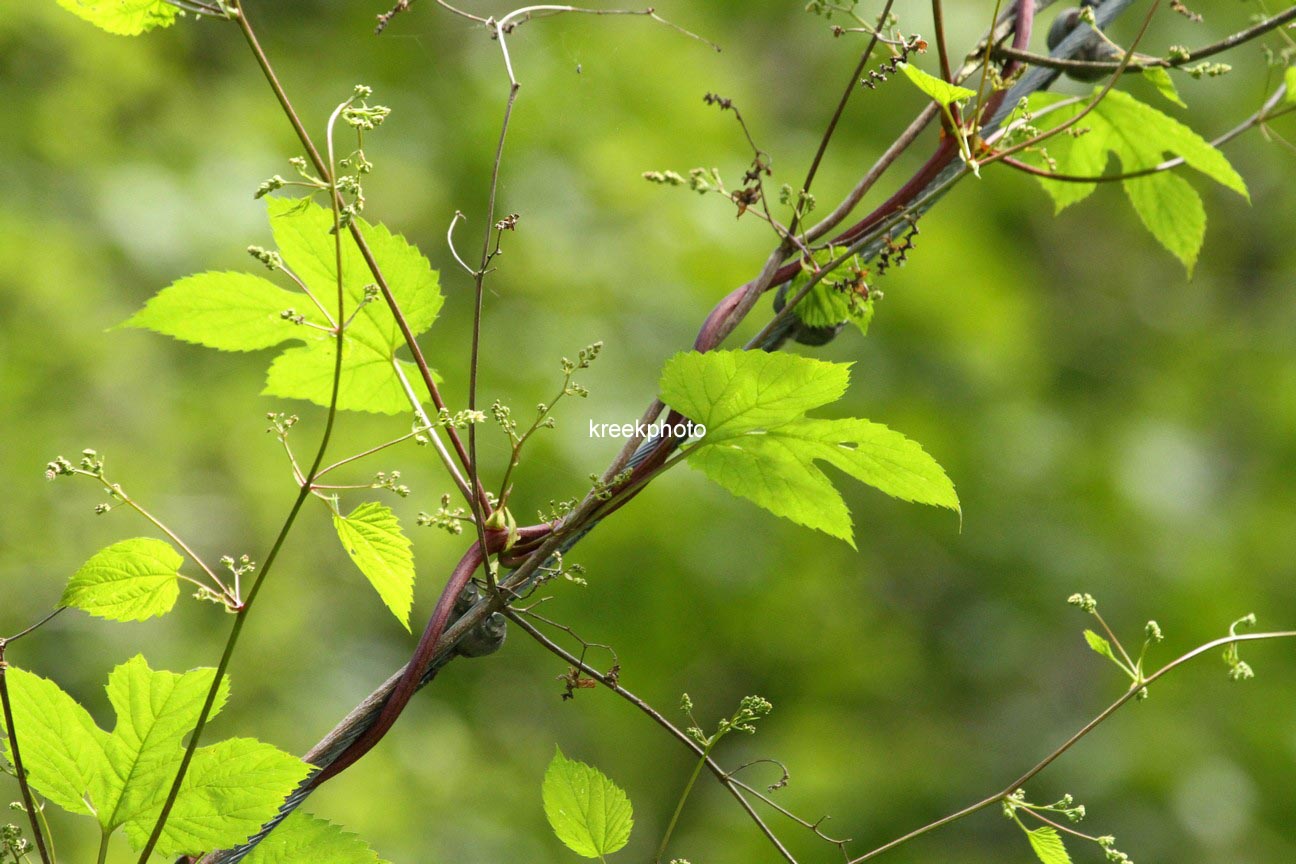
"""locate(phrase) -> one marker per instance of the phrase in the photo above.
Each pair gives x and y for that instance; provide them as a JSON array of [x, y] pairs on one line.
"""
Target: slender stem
[[657, 717], [103, 847], [362, 245], [304, 491], [29, 629], [679, 807], [116, 491], [481, 510], [840, 110], [1068, 65], [1048, 760], [938, 29], [423, 418], [28, 802]]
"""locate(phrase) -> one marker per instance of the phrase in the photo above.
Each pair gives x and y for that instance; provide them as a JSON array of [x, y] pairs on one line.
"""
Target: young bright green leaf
[[302, 837], [1160, 78], [1048, 845], [62, 748], [941, 91], [1289, 78], [123, 17], [226, 311], [154, 711], [231, 789], [776, 469], [760, 446], [1140, 137], [131, 580], [243, 312], [734, 392], [373, 538], [588, 812], [1100, 646]]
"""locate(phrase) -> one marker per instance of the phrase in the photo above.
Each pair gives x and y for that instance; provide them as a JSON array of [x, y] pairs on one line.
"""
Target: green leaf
[[231, 789], [122, 779], [833, 301], [373, 538], [588, 812], [62, 748], [1101, 646], [1289, 78], [1160, 78], [226, 311], [131, 580], [368, 381], [154, 711], [123, 17], [302, 837], [1140, 137], [760, 446], [734, 392], [941, 91], [242, 312], [1048, 845]]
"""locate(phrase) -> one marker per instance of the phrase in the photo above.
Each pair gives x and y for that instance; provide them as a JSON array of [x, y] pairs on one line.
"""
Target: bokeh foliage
[[1112, 427]]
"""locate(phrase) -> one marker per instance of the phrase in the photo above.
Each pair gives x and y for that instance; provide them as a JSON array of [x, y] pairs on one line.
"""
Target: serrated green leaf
[[372, 536], [1140, 137], [154, 711], [62, 748], [766, 450], [776, 469], [1048, 845], [1100, 645], [226, 311], [242, 312], [123, 17], [122, 779], [588, 812], [941, 91], [302, 837], [131, 580], [368, 381], [231, 789], [734, 392], [1160, 78]]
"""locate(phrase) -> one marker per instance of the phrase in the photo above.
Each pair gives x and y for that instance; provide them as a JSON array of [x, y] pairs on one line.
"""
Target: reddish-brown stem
[[409, 680]]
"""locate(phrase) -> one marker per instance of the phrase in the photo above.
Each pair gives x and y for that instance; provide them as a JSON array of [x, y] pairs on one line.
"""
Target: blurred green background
[[1112, 426]]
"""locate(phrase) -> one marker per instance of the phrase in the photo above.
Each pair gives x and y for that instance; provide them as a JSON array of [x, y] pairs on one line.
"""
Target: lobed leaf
[[372, 536], [1140, 137], [131, 580], [588, 812], [243, 312], [760, 446]]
